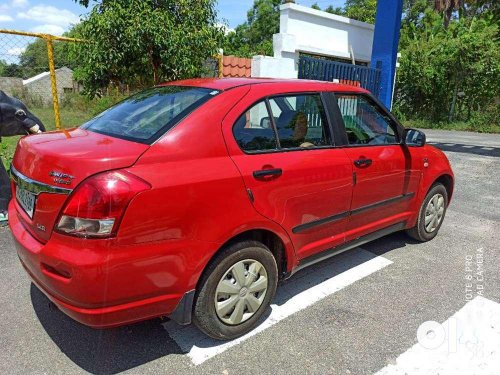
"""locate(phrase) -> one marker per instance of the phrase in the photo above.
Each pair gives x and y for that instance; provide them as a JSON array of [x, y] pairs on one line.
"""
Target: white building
[[313, 32], [39, 87]]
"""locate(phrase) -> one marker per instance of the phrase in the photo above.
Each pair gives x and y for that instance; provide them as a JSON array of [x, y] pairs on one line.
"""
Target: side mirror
[[414, 137]]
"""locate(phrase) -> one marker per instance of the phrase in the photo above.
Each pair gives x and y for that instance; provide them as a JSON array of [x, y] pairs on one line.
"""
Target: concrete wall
[[41, 89], [12, 86], [315, 32], [274, 67]]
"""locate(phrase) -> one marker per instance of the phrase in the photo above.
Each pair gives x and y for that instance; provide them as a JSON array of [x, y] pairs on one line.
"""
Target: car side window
[[300, 121], [364, 122], [254, 131]]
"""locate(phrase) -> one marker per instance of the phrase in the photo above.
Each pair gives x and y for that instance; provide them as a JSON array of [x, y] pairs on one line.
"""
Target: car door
[[282, 145], [386, 180]]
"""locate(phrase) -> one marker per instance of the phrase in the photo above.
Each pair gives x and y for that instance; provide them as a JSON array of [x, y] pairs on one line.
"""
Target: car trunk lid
[[47, 167]]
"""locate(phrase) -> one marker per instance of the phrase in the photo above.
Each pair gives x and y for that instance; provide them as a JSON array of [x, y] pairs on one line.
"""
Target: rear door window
[[301, 121], [146, 116], [283, 122]]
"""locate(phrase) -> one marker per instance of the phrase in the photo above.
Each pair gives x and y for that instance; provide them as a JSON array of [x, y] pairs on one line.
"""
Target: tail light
[[96, 206]]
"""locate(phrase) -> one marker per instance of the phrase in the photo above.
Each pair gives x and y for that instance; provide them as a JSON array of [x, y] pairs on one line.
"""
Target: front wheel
[[236, 290], [431, 214]]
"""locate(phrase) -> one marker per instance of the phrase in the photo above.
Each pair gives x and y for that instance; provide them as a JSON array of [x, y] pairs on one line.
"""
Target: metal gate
[[327, 70], [21, 78]]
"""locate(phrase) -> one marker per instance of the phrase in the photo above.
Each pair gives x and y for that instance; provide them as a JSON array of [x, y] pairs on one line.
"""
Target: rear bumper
[[101, 285], [112, 316]]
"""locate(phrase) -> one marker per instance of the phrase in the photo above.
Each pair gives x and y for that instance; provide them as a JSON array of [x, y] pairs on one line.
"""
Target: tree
[[143, 42], [447, 7], [34, 59], [467, 8], [84, 3], [338, 10], [3, 65], [12, 70], [254, 37], [440, 62], [361, 10]]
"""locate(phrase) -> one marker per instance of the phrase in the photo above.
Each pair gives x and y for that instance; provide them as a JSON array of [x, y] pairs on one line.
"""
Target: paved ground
[[360, 329]]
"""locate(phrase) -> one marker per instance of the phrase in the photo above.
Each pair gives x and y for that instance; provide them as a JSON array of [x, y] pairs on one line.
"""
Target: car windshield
[[146, 116]]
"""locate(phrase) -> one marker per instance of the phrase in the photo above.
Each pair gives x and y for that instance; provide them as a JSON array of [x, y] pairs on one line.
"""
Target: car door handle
[[362, 162], [268, 173]]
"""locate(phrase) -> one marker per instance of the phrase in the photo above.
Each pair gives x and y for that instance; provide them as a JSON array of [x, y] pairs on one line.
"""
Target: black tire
[[204, 312], [418, 232]]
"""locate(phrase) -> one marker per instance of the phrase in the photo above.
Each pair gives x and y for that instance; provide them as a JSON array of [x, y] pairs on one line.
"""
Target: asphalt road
[[361, 328]]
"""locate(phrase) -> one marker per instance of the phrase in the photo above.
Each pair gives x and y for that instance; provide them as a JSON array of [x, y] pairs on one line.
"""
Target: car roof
[[223, 84]]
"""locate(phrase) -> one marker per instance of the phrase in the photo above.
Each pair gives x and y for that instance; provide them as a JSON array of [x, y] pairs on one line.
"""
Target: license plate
[[26, 200]]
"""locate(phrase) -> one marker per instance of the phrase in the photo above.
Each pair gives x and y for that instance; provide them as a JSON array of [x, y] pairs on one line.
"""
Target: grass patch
[[486, 120], [492, 127], [69, 119]]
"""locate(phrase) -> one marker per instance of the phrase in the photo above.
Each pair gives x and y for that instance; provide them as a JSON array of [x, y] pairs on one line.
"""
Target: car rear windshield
[[146, 116]]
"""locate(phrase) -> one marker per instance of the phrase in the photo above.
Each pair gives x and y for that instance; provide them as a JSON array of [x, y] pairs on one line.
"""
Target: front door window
[[365, 123]]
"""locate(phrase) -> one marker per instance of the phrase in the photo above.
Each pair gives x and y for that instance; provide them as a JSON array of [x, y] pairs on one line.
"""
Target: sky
[[56, 16]]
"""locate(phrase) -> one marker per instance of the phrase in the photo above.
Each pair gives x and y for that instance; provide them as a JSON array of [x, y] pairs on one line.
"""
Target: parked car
[[194, 198]]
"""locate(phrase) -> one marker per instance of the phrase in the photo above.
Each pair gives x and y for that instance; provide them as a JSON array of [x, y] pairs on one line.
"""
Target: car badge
[[61, 178]]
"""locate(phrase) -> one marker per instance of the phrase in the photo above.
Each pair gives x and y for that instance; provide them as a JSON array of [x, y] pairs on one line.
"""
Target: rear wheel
[[431, 214], [236, 290]]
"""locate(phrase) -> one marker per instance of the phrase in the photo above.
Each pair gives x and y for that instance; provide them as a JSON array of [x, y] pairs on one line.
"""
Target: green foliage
[[486, 120], [3, 65], [473, 126], [361, 10], [143, 42], [448, 73], [254, 37], [84, 3], [12, 70], [34, 59], [465, 8], [337, 10]]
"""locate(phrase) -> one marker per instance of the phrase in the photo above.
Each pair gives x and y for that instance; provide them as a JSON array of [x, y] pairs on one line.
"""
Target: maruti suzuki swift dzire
[[193, 199]]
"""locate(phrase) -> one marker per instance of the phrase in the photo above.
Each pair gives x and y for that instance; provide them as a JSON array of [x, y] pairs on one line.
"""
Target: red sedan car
[[194, 198]]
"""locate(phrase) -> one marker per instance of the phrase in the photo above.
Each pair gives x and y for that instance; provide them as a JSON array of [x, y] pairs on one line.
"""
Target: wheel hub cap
[[434, 213], [241, 291]]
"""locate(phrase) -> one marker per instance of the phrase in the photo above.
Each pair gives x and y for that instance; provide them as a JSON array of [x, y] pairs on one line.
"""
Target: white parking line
[[466, 343], [302, 290]]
